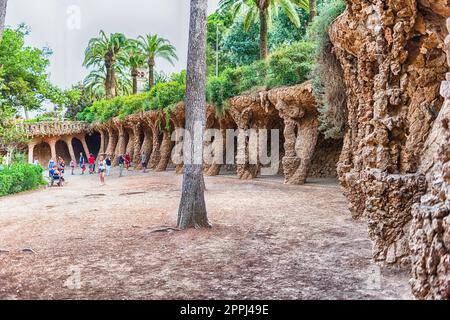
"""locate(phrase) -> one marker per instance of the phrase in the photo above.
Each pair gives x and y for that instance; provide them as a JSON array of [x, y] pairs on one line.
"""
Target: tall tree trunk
[[3, 4], [192, 210], [108, 82], [151, 73], [134, 75], [312, 10], [25, 111], [263, 35], [113, 83]]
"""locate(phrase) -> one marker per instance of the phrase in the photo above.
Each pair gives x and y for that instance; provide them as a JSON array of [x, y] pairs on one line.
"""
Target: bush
[[20, 177], [328, 83]]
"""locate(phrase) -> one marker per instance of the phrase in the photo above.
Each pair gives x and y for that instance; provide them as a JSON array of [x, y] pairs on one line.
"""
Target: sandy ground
[[268, 241]]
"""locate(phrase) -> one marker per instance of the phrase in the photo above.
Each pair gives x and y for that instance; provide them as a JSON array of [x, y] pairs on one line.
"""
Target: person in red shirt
[[127, 161], [91, 162]]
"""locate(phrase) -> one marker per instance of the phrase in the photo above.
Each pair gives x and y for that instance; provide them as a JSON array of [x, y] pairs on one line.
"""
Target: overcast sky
[[67, 25]]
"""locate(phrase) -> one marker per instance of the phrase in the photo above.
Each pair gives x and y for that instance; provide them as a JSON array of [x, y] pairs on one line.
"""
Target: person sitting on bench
[[55, 175]]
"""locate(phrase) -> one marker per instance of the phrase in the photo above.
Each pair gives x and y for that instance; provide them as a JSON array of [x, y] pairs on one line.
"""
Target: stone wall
[[325, 159], [393, 60], [430, 228]]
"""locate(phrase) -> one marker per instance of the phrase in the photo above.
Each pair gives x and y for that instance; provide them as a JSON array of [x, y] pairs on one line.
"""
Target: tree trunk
[[192, 210], [151, 73], [108, 82], [312, 10], [3, 4], [25, 111], [263, 35], [113, 83], [134, 74]]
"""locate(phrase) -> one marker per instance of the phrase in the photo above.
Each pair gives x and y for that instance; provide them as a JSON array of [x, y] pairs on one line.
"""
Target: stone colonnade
[[291, 110]]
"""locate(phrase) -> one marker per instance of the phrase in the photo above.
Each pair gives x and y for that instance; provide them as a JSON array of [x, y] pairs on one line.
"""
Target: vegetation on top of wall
[[328, 85], [286, 66]]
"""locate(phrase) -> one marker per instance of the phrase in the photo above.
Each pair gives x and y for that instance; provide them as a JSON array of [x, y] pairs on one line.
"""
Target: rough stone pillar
[[155, 156], [147, 145], [52, 143], [165, 151], [31, 146], [102, 142], [121, 143], [112, 141], [214, 168], [68, 141], [82, 138], [137, 145], [130, 144]]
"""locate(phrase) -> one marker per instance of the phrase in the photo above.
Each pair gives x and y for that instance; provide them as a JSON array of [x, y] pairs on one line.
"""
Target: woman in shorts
[[102, 169]]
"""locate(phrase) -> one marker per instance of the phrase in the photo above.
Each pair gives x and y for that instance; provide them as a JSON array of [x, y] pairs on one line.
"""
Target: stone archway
[[77, 148], [93, 141], [42, 153], [62, 150]]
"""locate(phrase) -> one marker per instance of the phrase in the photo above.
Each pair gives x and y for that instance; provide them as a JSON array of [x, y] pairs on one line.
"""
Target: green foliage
[[328, 85], [162, 95], [20, 177], [287, 66], [24, 81], [328, 11]]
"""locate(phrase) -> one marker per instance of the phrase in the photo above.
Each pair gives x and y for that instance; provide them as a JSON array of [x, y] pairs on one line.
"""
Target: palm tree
[[135, 59], [265, 10], [3, 4], [312, 9], [156, 47], [192, 210], [94, 83], [104, 51]]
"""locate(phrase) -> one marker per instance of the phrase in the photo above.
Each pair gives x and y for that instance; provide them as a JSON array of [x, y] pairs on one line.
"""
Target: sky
[[67, 25]]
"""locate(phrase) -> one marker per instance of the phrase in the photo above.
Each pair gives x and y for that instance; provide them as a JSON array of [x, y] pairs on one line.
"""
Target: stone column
[[52, 143], [147, 145], [121, 143], [131, 143], [31, 146], [82, 138], [68, 141], [165, 152], [137, 145], [112, 141], [102, 142], [155, 156]]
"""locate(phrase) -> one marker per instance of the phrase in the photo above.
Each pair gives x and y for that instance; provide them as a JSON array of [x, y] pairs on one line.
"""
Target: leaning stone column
[[31, 146], [121, 143], [165, 151], [130, 145], [52, 143], [296, 106], [137, 146], [112, 140], [68, 141], [147, 145], [155, 156]]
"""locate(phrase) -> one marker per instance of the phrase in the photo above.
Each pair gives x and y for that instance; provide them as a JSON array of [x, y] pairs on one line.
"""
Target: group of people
[[103, 166], [56, 170]]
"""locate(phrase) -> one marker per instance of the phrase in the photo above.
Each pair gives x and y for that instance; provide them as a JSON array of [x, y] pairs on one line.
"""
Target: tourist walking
[[82, 163], [51, 166], [127, 161], [121, 164], [143, 161], [108, 165], [102, 169], [72, 166], [91, 162]]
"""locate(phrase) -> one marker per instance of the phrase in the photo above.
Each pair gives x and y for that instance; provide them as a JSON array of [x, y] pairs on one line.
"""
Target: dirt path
[[269, 241]]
